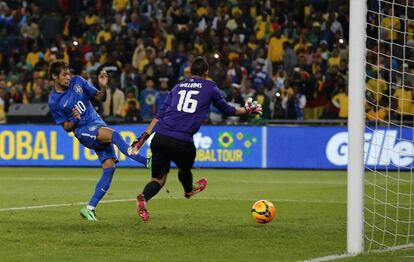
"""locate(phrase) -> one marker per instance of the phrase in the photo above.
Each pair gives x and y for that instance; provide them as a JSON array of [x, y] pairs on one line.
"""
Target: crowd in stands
[[290, 56], [390, 64]]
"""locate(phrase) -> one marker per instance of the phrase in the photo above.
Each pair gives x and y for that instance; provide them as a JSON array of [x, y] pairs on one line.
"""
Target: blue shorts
[[87, 136]]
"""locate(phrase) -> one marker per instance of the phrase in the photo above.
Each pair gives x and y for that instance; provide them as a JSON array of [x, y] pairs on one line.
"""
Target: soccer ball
[[263, 211]]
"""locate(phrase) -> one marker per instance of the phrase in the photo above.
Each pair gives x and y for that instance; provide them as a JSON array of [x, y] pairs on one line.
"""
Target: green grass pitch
[[213, 226]]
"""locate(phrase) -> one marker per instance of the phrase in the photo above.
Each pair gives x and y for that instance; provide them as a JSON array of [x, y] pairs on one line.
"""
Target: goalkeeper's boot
[[149, 163], [198, 186], [142, 208], [88, 214]]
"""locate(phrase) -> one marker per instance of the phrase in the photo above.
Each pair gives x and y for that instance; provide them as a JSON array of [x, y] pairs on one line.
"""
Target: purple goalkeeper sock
[[123, 147]]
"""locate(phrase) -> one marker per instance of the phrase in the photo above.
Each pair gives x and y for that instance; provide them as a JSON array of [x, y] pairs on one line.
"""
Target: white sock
[[90, 207]]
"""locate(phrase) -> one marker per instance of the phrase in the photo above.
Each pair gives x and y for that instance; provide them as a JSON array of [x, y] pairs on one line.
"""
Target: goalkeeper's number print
[[186, 103]]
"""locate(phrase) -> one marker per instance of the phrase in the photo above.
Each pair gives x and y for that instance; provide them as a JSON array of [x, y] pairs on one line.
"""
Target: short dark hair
[[199, 66], [56, 66]]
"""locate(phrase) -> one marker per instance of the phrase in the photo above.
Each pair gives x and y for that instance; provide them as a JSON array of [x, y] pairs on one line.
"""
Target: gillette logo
[[381, 148]]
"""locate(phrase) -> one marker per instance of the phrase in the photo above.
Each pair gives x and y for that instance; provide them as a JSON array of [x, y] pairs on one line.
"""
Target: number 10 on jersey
[[186, 103], [80, 106]]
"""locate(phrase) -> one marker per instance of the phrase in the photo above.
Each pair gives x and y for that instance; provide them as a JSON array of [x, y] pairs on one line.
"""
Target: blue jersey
[[187, 106], [77, 95]]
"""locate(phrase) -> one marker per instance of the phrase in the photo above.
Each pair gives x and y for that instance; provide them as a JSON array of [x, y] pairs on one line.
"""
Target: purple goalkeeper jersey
[[187, 106]]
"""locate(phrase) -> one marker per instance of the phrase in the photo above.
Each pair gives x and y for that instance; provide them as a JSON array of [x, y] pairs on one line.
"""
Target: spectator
[[340, 101], [378, 113], [236, 100], [376, 86], [112, 66], [92, 65], [289, 57], [126, 104], [104, 35], [293, 103], [129, 78], [37, 95], [237, 73], [91, 18], [13, 97], [314, 34], [333, 24], [246, 89], [187, 73], [114, 100], [134, 23], [404, 97], [264, 100], [159, 42], [120, 5], [118, 25], [163, 93], [263, 27], [33, 56], [389, 22], [30, 30], [334, 60], [133, 114], [259, 77], [279, 79], [148, 100], [275, 49]]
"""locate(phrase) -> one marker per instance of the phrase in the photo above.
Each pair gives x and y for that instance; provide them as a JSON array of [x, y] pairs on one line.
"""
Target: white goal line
[[346, 255]]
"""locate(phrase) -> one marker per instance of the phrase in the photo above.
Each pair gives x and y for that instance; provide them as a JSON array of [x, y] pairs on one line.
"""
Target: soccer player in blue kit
[[179, 118], [70, 107]]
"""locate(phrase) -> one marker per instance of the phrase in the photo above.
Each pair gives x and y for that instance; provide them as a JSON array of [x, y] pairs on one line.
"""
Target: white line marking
[[329, 258], [60, 205], [199, 198], [376, 251], [120, 179]]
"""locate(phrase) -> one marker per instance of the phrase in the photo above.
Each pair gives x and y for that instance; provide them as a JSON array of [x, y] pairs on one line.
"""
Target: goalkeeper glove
[[252, 107], [135, 147]]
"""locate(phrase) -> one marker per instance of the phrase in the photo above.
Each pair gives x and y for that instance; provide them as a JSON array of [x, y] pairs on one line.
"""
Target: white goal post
[[380, 210], [356, 125]]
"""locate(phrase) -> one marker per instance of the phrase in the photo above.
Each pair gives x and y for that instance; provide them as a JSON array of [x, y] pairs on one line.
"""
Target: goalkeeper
[[178, 119]]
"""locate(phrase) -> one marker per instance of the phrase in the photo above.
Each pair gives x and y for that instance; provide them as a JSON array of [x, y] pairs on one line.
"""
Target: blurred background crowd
[[291, 56]]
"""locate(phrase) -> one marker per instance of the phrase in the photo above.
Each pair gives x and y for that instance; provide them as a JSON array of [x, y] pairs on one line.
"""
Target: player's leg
[[185, 161], [104, 182], [159, 172], [108, 135], [186, 179], [160, 166]]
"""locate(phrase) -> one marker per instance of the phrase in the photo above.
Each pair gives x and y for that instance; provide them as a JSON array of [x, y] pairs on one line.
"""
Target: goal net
[[389, 133]]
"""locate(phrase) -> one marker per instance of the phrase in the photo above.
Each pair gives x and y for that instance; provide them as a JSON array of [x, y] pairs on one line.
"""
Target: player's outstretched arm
[[151, 126], [103, 84], [135, 147], [250, 107]]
